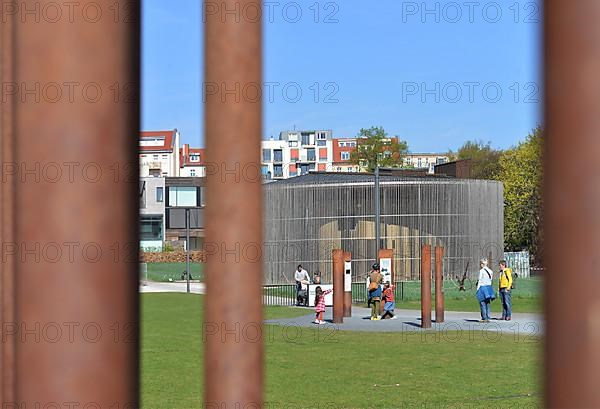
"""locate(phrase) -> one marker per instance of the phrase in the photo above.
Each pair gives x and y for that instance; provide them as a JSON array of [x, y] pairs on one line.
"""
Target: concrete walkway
[[174, 287], [409, 321]]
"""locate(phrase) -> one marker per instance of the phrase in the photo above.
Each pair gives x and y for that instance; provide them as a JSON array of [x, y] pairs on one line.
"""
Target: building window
[[278, 171], [165, 157], [266, 155], [321, 143], [306, 139], [310, 155], [278, 155], [345, 155], [151, 228], [192, 172], [182, 196], [155, 157], [265, 172], [194, 157], [293, 144], [339, 169], [159, 194]]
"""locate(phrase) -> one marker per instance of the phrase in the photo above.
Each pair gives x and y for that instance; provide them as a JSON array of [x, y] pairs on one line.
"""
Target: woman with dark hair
[[375, 280]]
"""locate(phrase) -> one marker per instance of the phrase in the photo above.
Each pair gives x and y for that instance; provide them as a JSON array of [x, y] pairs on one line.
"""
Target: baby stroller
[[302, 299]]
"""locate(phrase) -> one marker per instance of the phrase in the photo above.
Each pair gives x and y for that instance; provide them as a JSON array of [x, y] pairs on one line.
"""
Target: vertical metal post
[[74, 139], [439, 283], [377, 211], [233, 363], [338, 286], [188, 249], [426, 286], [7, 197], [571, 202], [347, 284]]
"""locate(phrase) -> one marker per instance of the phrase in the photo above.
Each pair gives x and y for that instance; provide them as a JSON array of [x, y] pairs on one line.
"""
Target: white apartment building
[[192, 162], [159, 153], [426, 160], [297, 153]]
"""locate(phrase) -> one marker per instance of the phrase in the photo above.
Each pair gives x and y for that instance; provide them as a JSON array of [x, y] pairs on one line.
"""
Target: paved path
[[409, 321], [175, 287]]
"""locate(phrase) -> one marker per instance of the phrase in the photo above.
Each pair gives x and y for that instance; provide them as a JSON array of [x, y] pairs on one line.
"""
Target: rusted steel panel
[[233, 128], [426, 286], [439, 284], [76, 204], [571, 203], [338, 286], [7, 226]]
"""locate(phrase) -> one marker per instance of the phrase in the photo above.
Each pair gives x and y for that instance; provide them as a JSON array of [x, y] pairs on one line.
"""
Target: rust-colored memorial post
[[347, 284], [571, 203], [426, 286], [338, 286], [439, 283], [70, 137], [233, 351]]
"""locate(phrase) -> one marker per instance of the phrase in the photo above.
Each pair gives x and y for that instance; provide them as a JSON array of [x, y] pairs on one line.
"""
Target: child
[[388, 298], [320, 304]]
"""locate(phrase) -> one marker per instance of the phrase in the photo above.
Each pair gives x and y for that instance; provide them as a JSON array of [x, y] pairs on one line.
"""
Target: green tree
[[484, 158], [521, 171], [375, 146]]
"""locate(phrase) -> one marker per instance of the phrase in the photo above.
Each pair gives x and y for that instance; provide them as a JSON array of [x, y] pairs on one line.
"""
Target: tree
[[374, 147], [484, 158], [521, 171]]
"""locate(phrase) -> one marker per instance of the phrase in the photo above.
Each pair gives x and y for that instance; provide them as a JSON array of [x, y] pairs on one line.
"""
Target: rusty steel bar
[[338, 286], [439, 283], [347, 284], [571, 202], [233, 365], [426, 286], [7, 225], [75, 248]]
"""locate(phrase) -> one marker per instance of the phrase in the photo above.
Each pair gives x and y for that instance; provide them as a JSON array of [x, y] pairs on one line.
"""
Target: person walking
[[485, 292], [504, 288], [375, 280]]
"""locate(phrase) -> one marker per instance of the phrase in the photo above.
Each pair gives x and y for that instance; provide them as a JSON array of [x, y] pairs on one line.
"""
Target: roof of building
[[185, 161], [353, 177], [157, 141]]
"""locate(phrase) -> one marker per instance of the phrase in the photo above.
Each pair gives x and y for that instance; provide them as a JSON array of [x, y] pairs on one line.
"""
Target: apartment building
[[184, 196], [152, 211], [192, 162], [342, 147], [159, 153], [297, 153], [426, 160]]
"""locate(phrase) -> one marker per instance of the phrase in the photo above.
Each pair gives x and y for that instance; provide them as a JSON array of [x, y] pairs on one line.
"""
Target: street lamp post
[[377, 209]]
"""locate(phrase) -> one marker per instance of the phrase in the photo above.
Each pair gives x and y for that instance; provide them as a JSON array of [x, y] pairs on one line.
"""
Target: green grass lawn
[[325, 369], [166, 271]]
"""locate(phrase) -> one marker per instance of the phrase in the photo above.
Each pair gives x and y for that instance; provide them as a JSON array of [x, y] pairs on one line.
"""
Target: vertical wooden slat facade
[[70, 206]]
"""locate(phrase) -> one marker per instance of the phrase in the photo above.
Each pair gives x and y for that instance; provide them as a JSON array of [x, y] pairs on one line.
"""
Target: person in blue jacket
[[485, 291]]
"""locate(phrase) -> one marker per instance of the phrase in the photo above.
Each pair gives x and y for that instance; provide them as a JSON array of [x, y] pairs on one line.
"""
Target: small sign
[[347, 276], [385, 264]]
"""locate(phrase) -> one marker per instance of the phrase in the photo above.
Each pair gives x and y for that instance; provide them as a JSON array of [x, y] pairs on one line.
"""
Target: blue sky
[[434, 75]]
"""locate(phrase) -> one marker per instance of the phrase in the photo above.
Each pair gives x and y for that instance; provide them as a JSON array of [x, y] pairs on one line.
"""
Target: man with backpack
[[505, 285]]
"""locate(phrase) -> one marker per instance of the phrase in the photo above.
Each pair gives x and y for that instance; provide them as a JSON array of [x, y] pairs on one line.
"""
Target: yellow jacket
[[506, 278]]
